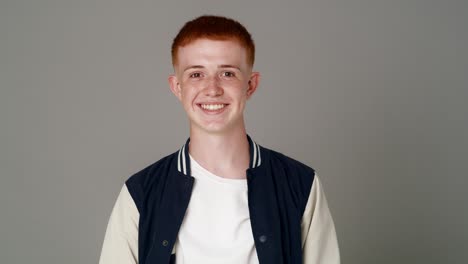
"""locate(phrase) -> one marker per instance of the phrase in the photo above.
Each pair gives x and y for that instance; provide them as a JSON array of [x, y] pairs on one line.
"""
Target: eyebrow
[[228, 66], [222, 66], [193, 67]]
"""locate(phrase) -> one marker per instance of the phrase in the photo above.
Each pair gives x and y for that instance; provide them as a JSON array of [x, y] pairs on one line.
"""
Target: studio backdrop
[[372, 94]]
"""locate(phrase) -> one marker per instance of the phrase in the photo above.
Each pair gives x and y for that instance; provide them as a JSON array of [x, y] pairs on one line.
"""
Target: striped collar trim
[[183, 157], [255, 153]]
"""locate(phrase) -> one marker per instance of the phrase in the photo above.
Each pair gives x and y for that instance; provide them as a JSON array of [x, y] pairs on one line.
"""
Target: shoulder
[[140, 183], [294, 176], [150, 173], [281, 161]]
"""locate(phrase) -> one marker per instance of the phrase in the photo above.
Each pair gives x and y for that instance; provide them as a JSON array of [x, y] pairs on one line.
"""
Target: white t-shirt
[[216, 227]]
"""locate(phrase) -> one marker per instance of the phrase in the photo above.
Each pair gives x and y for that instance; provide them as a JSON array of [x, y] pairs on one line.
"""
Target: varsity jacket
[[289, 215]]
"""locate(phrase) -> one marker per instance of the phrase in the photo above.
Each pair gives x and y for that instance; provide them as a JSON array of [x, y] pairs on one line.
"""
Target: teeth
[[212, 106]]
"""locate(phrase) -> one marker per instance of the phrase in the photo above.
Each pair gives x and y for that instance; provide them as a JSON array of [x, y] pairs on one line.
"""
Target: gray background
[[370, 93]]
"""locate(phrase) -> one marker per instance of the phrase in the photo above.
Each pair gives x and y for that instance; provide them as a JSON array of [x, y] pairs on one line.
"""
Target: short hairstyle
[[214, 28]]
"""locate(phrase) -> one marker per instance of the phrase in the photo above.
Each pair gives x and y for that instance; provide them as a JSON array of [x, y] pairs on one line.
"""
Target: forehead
[[206, 52]]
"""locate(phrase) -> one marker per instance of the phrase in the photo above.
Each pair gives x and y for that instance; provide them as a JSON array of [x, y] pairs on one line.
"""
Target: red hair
[[214, 28]]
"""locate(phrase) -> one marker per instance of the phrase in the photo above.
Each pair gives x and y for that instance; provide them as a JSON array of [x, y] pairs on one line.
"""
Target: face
[[213, 81]]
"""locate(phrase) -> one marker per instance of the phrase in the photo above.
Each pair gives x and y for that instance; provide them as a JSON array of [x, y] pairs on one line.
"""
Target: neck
[[224, 154]]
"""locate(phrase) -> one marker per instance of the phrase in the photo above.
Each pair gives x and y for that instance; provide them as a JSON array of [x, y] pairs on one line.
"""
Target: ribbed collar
[[183, 158]]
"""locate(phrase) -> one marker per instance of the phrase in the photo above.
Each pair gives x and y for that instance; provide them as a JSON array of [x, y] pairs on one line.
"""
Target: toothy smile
[[212, 106]]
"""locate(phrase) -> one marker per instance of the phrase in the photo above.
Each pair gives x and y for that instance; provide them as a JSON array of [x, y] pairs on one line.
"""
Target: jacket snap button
[[165, 243], [263, 238]]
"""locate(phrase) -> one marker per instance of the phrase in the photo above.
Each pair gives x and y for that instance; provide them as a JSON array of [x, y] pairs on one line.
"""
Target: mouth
[[213, 108]]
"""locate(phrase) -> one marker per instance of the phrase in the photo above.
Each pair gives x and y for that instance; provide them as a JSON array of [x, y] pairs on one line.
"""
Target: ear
[[253, 84], [175, 86]]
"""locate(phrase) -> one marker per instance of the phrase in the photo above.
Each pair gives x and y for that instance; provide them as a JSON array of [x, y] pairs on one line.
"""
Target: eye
[[195, 75], [228, 74]]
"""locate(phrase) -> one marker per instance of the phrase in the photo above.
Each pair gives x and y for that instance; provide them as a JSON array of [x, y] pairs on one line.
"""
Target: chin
[[211, 128], [215, 127]]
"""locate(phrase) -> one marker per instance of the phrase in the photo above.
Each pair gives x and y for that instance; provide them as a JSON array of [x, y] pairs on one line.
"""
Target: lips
[[212, 107]]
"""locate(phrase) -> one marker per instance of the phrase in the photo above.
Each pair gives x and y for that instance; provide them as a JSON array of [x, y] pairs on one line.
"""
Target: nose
[[213, 87]]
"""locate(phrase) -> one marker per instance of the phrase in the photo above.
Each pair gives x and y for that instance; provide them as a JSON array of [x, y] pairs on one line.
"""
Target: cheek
[[188, 96]]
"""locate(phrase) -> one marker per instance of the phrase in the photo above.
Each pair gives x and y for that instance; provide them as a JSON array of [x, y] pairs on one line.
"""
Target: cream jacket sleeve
[[121, 240], [319, 242]]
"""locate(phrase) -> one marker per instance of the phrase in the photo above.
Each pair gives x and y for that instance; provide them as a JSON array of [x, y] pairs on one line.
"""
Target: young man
[[221, 198]]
